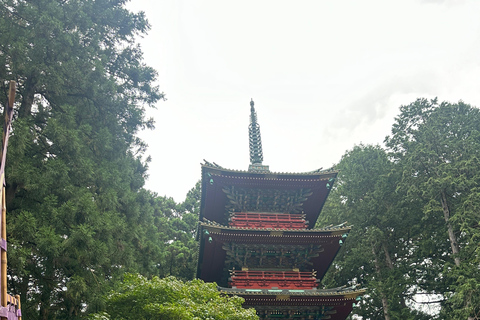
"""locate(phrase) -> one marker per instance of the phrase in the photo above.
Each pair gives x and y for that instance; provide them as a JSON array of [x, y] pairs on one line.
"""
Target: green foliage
[[415, 213], [77, 208], [78, 216], [438, 147], [180, 255], [374, 255], [172, 299]]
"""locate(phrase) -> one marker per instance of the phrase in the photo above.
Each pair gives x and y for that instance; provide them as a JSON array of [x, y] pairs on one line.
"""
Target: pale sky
[[324, 75]]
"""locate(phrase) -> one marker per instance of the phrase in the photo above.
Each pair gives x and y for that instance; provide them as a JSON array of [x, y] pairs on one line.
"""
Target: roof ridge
[[339, 227], [314, 172]]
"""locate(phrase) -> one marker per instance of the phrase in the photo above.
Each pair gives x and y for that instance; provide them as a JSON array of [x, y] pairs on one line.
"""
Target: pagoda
[[258, 241]]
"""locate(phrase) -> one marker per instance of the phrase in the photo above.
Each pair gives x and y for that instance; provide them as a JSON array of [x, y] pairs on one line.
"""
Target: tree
[[76, 225], [171, 299], [183, 249], [192, 201], [437, 145], [71, 52], [78, 216], [376, 253], [178, 225]]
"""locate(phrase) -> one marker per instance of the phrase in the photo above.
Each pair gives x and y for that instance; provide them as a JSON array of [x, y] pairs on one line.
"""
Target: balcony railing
[[273, 280], [268, 220]]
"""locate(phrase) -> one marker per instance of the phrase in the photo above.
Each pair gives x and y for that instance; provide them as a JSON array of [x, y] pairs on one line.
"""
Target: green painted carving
[[263, 256], [265, 200], [295, 312]]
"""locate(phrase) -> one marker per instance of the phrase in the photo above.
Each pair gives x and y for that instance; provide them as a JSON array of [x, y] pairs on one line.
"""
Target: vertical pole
[[4, 253], [3, 296], [19, 305], [3, 231]]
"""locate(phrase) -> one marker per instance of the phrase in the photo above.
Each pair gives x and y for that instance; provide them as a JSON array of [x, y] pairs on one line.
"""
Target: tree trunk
[[451, 234], [467, 304], [384, 296], [28, 95], [171, 264], [388, 259], [453, 239], [390, 265]]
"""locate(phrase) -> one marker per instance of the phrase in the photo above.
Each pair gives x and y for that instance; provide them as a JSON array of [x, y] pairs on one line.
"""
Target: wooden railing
[[12, 310], [268, 220], [273, 279]]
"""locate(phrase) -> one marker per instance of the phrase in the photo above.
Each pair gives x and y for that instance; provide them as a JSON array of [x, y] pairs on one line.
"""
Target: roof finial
[[256, 153]]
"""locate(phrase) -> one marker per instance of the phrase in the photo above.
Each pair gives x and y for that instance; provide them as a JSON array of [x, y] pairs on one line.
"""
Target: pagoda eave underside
[[215, 180], [213, 255]]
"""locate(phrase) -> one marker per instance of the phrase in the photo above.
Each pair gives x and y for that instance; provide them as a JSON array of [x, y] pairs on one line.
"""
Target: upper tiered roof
[[225, 191]]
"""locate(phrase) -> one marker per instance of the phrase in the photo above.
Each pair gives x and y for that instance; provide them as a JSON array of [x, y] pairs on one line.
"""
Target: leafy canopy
[[171, 299]]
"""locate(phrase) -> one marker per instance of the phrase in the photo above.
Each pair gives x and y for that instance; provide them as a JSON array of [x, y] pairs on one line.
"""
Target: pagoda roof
[[314, 188], [340, 292], [330, 230], [337, 301], [212, 256]]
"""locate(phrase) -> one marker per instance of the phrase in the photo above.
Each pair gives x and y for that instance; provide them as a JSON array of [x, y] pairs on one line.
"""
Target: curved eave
[[308, 173], [337, 293], [337, 230]]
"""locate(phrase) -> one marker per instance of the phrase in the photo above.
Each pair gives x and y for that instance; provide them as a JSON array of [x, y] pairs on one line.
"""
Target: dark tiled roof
[[341, 227], [340, 291], [308, 173]]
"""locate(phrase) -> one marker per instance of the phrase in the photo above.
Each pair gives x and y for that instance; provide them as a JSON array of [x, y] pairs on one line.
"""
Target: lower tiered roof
[[223, 248], [334, 304]]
